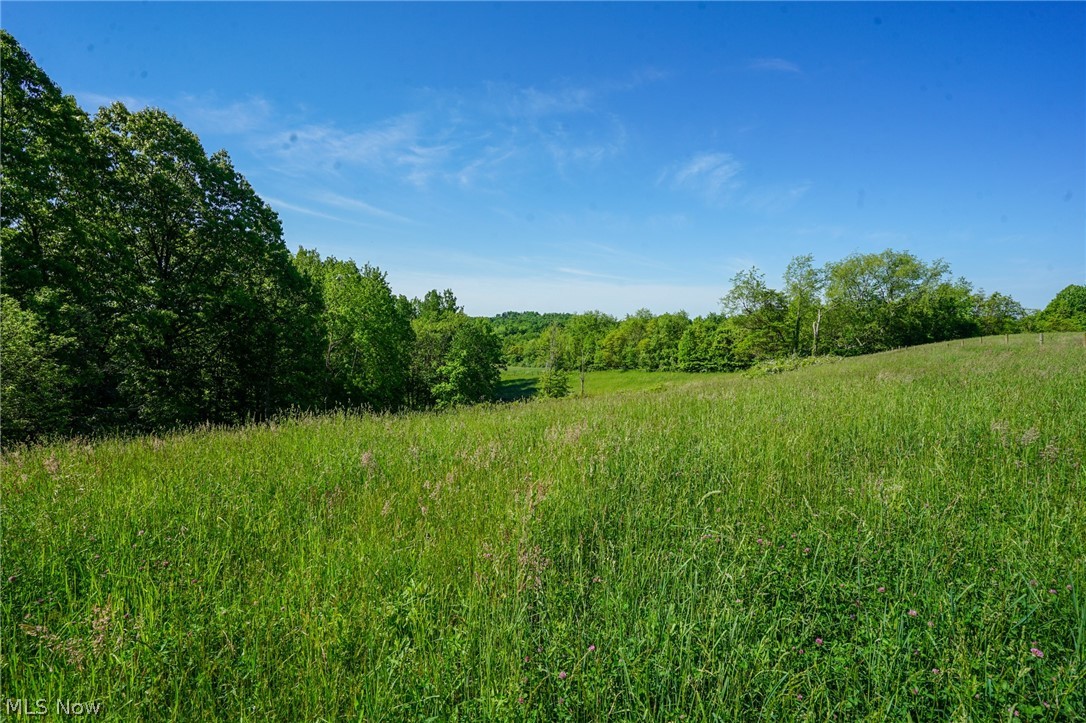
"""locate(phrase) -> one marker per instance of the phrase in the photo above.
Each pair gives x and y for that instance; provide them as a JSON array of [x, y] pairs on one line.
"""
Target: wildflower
[[1052, 591], [912, 613], [1033, 583], [561, 701], [526, 659], [935, 671], [806, 550], [591, 648], [562, 675], [818, 641], [916, 691], [140, 533], [882, 589], [1037, 652], [931, 623], [521, 700], [799, 696]]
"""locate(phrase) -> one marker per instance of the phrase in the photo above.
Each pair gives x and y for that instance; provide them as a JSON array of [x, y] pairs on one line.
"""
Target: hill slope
[[890, 536]]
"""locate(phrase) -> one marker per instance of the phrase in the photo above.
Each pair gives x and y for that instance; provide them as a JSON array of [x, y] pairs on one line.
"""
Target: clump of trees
[[146, 285], [861, 304], [1066, 312]]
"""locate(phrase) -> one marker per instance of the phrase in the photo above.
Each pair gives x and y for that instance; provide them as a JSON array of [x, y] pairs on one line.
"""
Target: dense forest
[[146, 285]]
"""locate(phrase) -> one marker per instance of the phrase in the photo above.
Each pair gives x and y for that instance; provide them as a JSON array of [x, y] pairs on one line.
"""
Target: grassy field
[[895, 537], [522, 382]]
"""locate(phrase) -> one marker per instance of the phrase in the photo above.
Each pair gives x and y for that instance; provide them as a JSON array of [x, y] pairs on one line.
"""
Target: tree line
[[862, 304], [146, 285]]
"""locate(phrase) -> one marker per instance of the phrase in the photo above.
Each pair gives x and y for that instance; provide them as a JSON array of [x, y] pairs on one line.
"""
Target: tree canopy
[[147, 285]]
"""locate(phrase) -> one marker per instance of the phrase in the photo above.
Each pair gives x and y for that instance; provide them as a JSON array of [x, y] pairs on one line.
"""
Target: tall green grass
[[519, 383], [887, 537]]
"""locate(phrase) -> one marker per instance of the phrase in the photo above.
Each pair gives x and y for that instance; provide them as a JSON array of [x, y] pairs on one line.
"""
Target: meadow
[[894, 537], [522, 382]]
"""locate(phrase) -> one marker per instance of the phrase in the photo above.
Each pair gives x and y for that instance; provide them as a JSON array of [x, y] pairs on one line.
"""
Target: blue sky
[[564, 157]]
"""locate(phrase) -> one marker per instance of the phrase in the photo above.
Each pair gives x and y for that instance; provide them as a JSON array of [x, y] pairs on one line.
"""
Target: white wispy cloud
[[324, 146], [774, 199], [712, 175], [208, 114], [777, 64], [353, 204], [734, 264], [589, 274], [535, 103], [278, 203], [485, 166], [91, 102], [566, 151]]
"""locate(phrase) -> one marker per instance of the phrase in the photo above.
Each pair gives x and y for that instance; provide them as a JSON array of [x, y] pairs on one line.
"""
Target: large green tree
[[586, 331], [997, 313], [760, 313], [803, 284], [53, 256], [472, 368], [890, 299], [367, 336], [1067, 311]]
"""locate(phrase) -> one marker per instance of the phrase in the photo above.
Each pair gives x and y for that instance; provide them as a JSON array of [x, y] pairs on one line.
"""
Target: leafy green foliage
[[34, 385], [520, 332], [803, 286], [586, 331], [368, 339], [997, 314], [1067, 311], [760, 312], [554, 383], [472, 368], [883, 301], [709, 345]]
